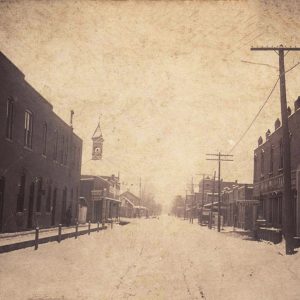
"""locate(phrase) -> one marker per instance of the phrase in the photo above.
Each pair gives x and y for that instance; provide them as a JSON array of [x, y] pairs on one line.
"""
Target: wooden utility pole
[[140, 196], [212, 201], [184, 216], [221, 157], [202, 200], [288, 214]]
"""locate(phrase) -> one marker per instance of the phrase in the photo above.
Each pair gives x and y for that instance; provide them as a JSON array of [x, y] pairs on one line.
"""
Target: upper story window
[[255, 166], [9, 118], [55, 145], [74, 156], [62, 149], [79, 159], [280, 155], [271, 159], [66, 151], [45, 129], [262, 163], [28, 129]]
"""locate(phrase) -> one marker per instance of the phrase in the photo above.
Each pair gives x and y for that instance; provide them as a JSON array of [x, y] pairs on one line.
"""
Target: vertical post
[[76, 230], [184, 215], [89, 228], [111, 224], [288, 215], [202, 202], [140, 197], [36, 242], [219, 195], [59, 233], [212, 202], [98, 226]]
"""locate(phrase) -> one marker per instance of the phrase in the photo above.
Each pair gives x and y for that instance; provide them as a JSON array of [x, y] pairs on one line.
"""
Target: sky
[[171, 80]]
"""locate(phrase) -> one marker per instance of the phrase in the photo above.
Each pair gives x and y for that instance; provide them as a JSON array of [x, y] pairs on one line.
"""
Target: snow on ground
[[151, 259]]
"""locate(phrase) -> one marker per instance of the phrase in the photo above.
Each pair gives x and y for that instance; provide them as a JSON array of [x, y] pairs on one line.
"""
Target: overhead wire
[[260, 109]]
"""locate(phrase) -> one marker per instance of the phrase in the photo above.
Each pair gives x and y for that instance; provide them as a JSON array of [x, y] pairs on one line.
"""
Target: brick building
[[102, 196], [40, 157], [208, 196], [268, 167], [240, 208]]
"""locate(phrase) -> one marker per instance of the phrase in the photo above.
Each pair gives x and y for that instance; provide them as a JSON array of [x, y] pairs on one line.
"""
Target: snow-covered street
[[151, 259]]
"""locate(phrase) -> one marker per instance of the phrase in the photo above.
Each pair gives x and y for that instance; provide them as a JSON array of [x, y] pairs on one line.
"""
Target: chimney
[[277, 124], [268, 134], [71, 118], [260, 141], [297, 103]]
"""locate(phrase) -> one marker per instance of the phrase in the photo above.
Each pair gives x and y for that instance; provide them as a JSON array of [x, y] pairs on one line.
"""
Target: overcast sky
[[172, 80]]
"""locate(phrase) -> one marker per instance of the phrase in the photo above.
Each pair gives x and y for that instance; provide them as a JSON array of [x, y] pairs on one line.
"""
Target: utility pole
[[221, 157], [212, 201], [288, 214], [184, 215], [193, 201], [202, 200], [140, 196]]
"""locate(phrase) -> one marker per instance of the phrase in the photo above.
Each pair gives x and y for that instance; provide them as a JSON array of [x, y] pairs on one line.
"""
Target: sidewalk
[[23, 236], [16, 237]]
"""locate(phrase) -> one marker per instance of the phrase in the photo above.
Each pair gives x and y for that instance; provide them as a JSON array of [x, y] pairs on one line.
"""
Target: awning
[[112, 199], [141, 207]]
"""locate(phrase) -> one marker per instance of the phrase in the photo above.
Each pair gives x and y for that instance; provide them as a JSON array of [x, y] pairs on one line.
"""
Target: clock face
[[97, 150]]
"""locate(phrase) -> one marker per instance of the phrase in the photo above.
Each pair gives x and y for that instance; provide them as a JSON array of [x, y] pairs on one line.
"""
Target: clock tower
[[98, 140]]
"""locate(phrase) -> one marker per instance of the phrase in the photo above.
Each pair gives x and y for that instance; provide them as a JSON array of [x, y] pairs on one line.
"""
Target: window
[[21, 193], [66, 152], [39, 195], [9, 118], [74, 155], [45, 138], [280, 155], [271, 159], [262, 163], [48, 200], [28, 129], [79, 159], [255, 166], [62, 149], [55, 145]]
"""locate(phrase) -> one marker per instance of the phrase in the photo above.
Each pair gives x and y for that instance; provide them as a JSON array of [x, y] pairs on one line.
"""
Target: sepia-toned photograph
[[149, 149]]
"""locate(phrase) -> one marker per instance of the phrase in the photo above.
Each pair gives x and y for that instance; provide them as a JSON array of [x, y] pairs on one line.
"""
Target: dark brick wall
[[17, 159]]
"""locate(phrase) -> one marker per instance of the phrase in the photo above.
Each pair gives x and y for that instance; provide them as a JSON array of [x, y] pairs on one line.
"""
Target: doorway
[[64, 206], [31, 204], [2, 183], [53, 207]]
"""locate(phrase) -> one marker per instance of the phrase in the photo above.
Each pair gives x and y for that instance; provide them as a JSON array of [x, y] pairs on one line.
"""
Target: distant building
[[40, 157], [102, 197], [131, 206], [208, 196], [209, 186], [268, 171], [240, 207]]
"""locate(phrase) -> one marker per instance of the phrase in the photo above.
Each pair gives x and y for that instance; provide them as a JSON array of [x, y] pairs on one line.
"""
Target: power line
[[261, 108], [255, 117]]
